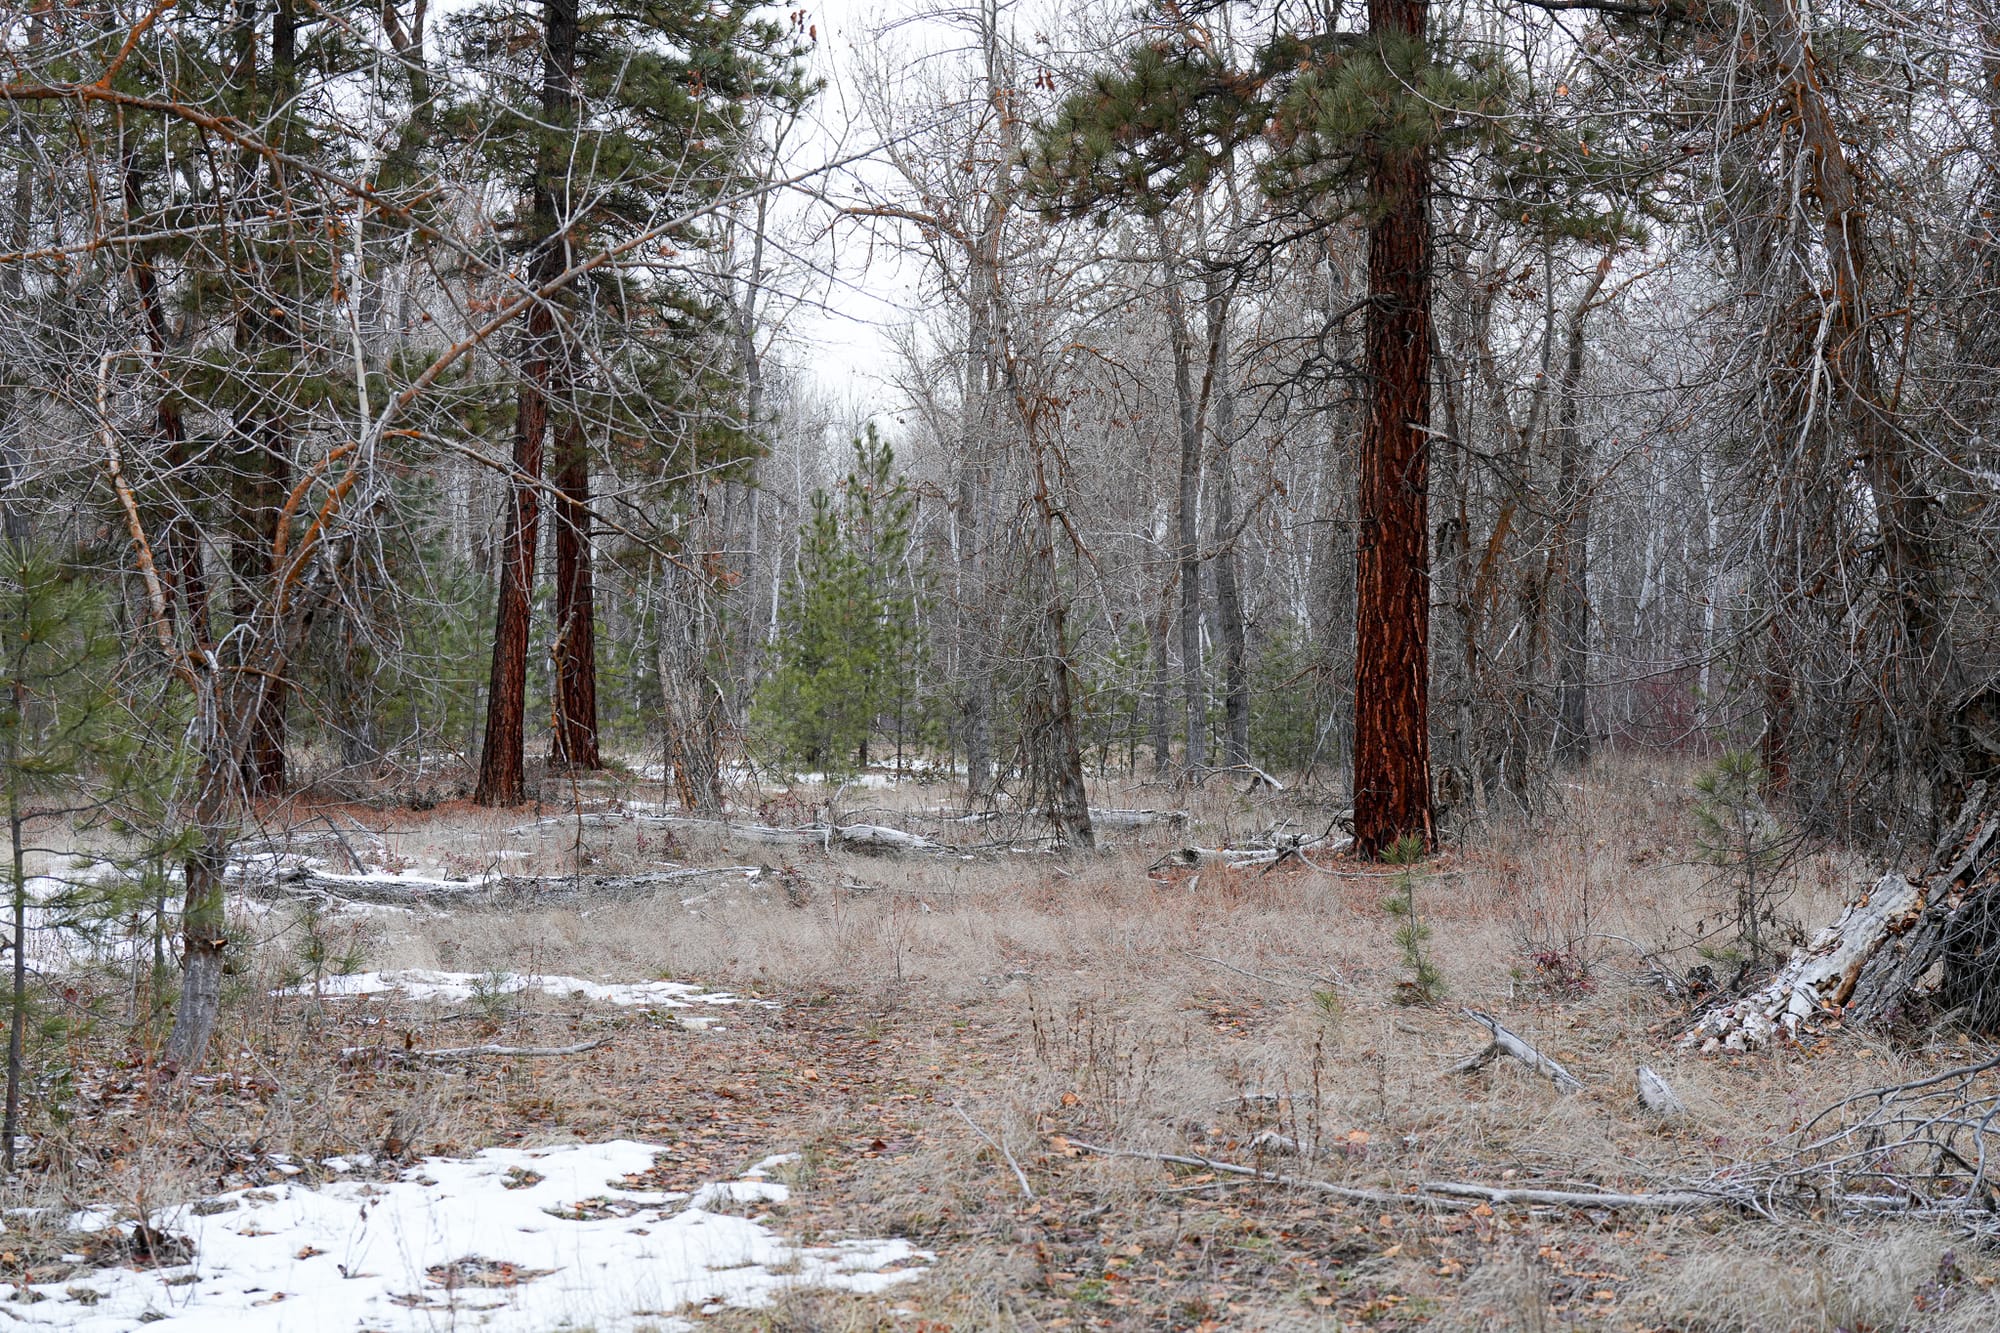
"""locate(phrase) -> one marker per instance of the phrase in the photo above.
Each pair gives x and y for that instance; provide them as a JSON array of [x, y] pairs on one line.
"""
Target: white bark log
[[1506, 1042], [407, 892], [880, 837], [1135, 819], [1818, 976], [1656, 1096]]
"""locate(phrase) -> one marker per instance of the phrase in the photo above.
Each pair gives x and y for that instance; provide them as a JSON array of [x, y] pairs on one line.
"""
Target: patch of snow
[[509, 1241], [457, 987]]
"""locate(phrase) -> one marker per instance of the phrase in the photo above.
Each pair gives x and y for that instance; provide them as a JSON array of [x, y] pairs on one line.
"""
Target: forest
[[955, 652]]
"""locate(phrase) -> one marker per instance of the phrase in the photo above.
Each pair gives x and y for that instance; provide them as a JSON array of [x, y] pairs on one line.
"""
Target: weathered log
[[1657, 1097], [1440, 1193], [1506, 1042], [1901, 948], [408, 892], [1135, 819], [1823, 973], [882, 838], [1243, 858]]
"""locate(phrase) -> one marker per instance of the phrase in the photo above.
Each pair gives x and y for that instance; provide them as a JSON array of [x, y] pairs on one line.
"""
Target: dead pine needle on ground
[[941, 1033]]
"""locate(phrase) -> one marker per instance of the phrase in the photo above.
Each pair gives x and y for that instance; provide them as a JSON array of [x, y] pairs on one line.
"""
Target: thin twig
[[468, 1052], [1243, 972], [1440, 1193], [1000, 1148]]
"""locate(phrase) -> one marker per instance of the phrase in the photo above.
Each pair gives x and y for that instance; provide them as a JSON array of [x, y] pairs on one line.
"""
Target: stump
[[1903, 950]]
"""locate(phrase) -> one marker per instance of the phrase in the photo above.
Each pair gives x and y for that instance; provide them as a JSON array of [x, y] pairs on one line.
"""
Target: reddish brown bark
[[576, 617], [502, 773], [1392, 790]]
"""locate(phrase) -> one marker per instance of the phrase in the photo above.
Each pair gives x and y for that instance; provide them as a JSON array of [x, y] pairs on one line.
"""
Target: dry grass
[[1036, 998]]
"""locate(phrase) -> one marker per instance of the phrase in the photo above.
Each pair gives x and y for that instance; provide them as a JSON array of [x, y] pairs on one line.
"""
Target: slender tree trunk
[[975, 597], [1158, 698], [204, 923], [1392, 792], [576, 618], [1187, 517], [502, 774], [18, 1019], [13, 519], [186, 586], [261, 467], [689, 698], [1228, 590], [1053, 750], [974, 656], [1571, 548]]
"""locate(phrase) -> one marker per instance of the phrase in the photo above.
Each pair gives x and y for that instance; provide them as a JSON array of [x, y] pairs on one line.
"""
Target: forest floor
[[933, 1036]]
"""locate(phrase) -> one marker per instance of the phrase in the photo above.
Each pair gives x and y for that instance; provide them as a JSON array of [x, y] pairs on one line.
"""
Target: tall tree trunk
[[265, 324], [1053, 752], [204, 922], [1571, 548], [1158, 696], [689, 698], [17, 1026], [1920, 664], [975, 597], [1187, 504], [1228, 590], [576, 611], [1392, 791], [502, 775], [13, 519], [186, 588]]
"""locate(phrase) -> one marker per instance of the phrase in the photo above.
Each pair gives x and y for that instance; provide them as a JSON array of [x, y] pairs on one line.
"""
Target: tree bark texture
[[502, 774], [1228, 588], [1187, 508], [576, 608], [1392, 794], [691, 702], [1571, 549]]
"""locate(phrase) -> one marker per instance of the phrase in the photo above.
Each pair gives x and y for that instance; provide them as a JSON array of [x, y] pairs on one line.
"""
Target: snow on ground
[[509, 1241], [456, 987]]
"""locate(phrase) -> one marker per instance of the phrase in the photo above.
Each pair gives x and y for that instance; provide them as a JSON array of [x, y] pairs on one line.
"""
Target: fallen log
[[881, 838], [400, 891], [1506, 1042], [1119, 820], [1900, 948], [1244, 858]]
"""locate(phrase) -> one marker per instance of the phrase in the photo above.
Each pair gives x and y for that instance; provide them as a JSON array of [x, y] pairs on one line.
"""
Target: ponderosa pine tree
[[640, 114], [1352, 119]]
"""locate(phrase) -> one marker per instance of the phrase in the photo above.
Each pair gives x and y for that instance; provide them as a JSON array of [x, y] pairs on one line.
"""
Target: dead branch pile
[[1926, 1147]]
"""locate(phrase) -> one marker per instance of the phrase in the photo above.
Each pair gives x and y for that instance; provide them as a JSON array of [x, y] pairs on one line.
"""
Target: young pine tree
[[65, 738], [1737, 832], [850, 650]]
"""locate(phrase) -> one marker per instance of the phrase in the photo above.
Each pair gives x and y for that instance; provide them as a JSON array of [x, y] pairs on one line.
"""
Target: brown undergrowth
[[947, 1031]]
